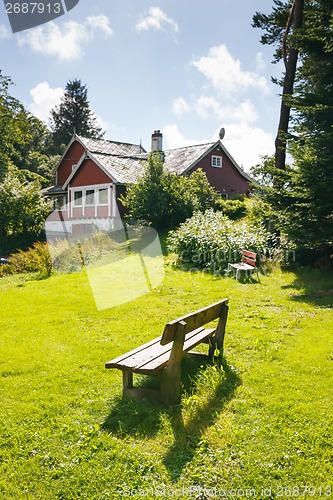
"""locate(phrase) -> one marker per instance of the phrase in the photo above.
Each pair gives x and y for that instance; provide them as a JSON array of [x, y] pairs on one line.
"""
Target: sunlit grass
[[264, 421]]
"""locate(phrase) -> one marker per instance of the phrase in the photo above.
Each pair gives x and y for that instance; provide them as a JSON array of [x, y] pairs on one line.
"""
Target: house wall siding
[[71, 158], [224, 179], [89, 174]]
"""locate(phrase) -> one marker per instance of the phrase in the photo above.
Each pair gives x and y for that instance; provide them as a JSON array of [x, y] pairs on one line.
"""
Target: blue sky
[[186, 67]]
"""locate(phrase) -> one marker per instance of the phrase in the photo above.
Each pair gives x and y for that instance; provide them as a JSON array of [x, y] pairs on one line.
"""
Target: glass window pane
[[90, 196], [103, 196], [78, 198]]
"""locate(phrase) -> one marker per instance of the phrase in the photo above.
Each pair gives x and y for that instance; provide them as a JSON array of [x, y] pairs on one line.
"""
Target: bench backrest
[[249, 257], [193, 320]]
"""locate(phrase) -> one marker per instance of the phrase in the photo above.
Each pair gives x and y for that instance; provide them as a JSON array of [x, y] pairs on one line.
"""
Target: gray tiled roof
[[128, 167], [125, 162], [179, 160], [123, 169], [111, 147]]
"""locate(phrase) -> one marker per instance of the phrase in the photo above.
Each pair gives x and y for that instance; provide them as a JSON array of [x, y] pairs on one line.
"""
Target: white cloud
[[244, 142], [225, 72], [156, 19], [247, 144], [44, 99], [208, 106], [180, 106], [65, 42], [100, 23], [4, 32], [244, 111], [174, 139]]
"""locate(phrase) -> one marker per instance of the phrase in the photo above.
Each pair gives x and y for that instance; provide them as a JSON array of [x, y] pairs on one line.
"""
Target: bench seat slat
[[242, 265], [153, 356], [114, 362]]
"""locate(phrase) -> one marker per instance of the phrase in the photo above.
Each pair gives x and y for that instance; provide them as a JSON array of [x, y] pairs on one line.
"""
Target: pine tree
[[73, 115], [301, 195], [284, 31]]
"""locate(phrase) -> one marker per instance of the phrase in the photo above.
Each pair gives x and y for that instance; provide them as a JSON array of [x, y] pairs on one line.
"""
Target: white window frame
[[97, 192], [216, 161], [96, 188]]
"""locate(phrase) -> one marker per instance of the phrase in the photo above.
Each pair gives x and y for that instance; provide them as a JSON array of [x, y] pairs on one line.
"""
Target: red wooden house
[[92, 174]]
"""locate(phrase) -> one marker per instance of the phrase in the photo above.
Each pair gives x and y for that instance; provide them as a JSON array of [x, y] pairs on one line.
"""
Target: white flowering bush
[[211, 240]]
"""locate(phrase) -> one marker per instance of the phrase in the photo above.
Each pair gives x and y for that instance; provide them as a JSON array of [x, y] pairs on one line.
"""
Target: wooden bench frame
[[248, 265], [163, 356]]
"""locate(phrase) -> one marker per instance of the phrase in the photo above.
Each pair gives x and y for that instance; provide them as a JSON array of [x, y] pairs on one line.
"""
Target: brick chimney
[[156, 141]]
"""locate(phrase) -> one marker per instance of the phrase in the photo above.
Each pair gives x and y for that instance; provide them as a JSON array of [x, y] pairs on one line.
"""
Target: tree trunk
[[295, 18]]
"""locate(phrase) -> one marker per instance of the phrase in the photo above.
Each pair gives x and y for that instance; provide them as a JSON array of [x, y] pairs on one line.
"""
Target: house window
[[90, 197], [103, 196], [78, 198], [216, 161]]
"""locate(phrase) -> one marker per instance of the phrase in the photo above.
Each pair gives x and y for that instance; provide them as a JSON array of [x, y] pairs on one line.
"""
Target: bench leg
[[170, 386], [218, 337], [171, 375], [127, 380]]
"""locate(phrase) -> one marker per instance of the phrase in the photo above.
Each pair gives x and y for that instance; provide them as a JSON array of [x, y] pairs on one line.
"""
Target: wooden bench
[[163, 355], [248, 265]]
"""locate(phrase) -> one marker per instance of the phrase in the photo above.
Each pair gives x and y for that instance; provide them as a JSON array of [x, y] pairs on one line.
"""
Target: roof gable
[[124, 163], [180, 160]]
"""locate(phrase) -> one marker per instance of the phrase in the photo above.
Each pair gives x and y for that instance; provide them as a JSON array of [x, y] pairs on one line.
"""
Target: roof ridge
[[119, 155], [109, 141], [192, 146]]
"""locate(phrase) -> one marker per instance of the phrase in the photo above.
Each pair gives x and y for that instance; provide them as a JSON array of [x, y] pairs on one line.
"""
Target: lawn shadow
[[143, 418], [313, 286], [188, 436]]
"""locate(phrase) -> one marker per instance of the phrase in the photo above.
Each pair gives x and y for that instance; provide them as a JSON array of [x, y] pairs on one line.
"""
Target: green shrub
[[165, 199], [70, 256], [34, 260], [211, 240], [234, 209]]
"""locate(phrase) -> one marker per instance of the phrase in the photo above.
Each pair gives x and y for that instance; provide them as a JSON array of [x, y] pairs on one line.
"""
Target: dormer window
[[216, 161]]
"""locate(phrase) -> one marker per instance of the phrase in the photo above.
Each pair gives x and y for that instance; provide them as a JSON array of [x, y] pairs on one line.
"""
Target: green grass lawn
[[261, 428]]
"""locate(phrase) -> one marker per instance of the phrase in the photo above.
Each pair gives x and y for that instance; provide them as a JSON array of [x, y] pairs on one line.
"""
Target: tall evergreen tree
[[282, 26], [302, 194], [73, 115]]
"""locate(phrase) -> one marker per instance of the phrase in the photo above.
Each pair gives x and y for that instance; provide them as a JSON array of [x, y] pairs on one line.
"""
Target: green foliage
[[34, 260], [73, 115], [234, 209], [22, 211], [211, 240], [24, 140], [274, 25], [166, 199]]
